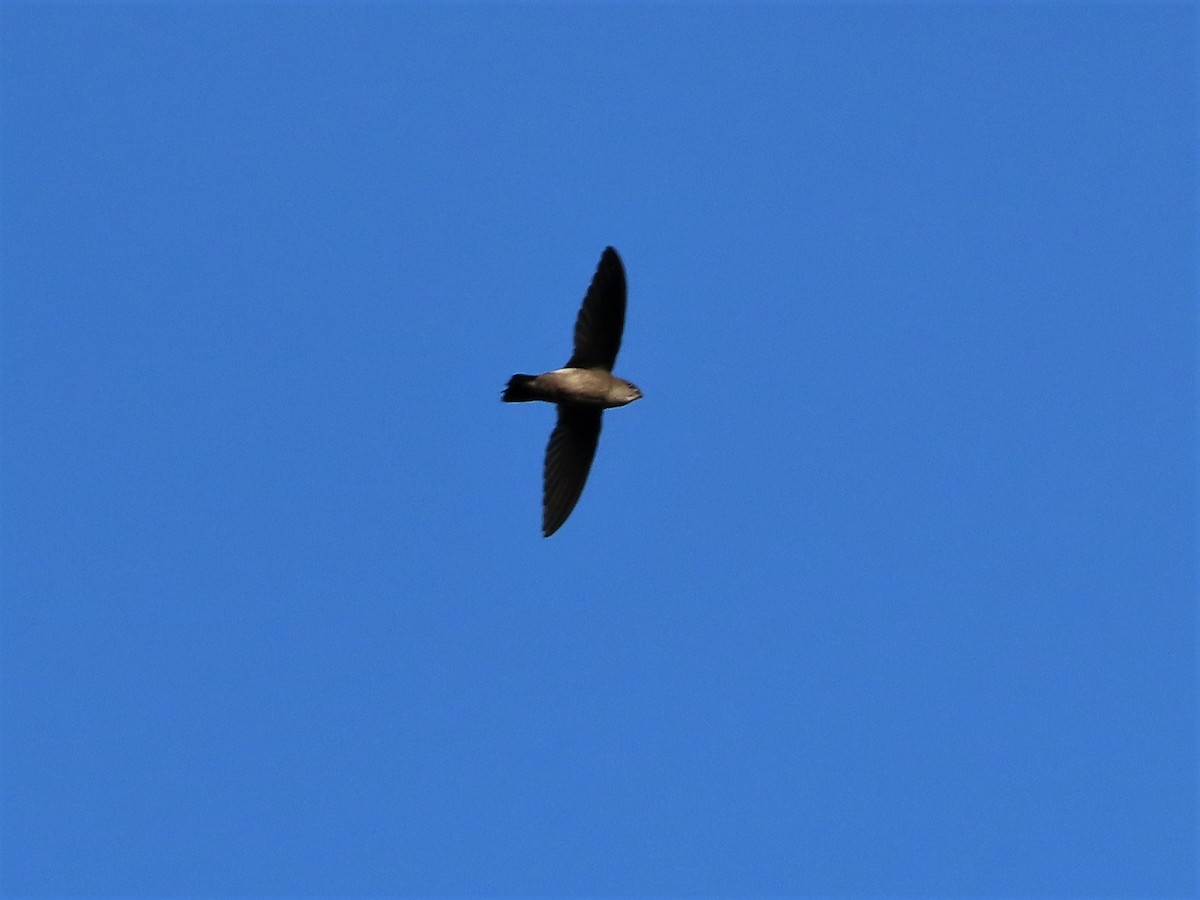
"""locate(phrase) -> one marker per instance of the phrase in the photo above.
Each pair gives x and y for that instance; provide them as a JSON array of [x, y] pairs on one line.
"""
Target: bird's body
[[581, 387], [582, 390]]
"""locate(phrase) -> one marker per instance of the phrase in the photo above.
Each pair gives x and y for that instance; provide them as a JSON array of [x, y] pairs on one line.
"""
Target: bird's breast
[[584, 387]]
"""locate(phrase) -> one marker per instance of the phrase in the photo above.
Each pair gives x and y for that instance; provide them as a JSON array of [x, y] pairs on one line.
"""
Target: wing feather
[[601, 319], [569, 458]]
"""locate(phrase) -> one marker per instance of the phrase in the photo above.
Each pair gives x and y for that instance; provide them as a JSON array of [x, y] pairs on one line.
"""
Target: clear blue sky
[[886, 587]]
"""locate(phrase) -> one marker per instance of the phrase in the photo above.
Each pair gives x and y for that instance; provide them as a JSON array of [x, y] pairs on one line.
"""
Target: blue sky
[[887, 587]]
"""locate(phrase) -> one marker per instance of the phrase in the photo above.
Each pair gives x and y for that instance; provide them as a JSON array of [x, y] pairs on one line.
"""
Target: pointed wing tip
[[550, 526]]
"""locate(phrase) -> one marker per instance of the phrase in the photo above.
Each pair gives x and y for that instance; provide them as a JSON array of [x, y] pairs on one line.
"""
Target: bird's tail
[[519, 389]]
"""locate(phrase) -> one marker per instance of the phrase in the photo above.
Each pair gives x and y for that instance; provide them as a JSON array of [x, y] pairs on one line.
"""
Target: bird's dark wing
[[602, 316], [568, 460]]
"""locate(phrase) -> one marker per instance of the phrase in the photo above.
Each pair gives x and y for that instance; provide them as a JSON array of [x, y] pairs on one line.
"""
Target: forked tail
[[519, 389]]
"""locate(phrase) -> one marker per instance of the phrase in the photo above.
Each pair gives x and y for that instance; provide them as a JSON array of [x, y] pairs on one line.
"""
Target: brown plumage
[[582, 390]]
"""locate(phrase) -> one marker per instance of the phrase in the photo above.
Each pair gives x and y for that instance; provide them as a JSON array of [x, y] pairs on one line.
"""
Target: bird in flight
[[582, 390]]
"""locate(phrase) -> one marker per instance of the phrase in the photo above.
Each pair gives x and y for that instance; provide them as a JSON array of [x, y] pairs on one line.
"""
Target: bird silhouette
[[582, 390]]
